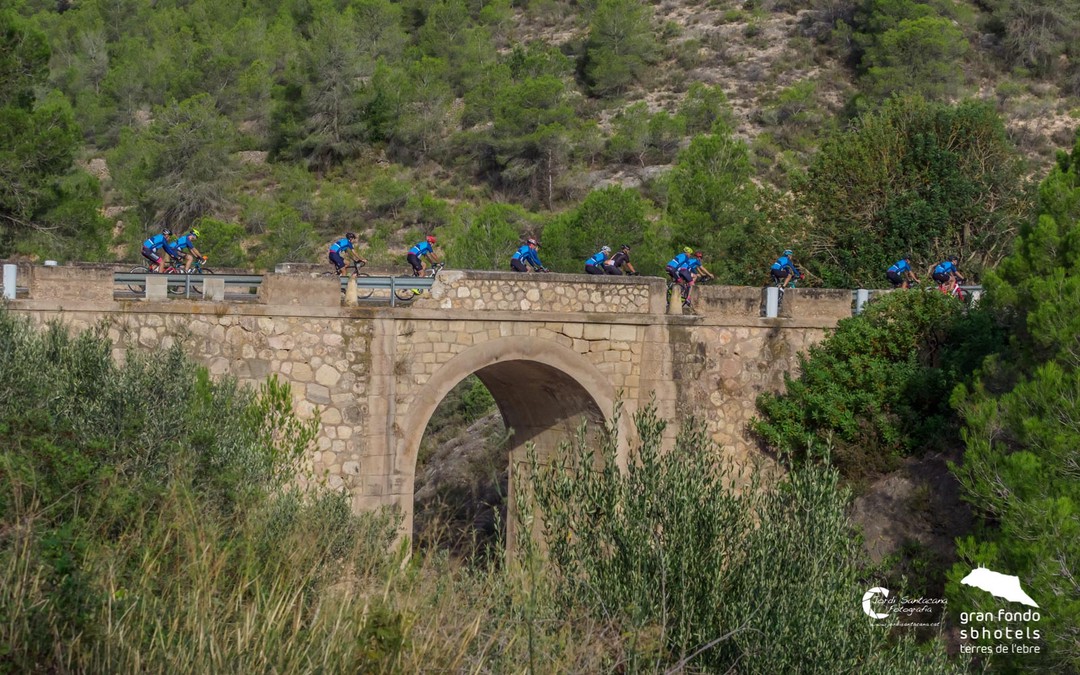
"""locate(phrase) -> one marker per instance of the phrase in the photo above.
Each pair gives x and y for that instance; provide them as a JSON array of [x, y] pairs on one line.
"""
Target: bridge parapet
[[509, 291]]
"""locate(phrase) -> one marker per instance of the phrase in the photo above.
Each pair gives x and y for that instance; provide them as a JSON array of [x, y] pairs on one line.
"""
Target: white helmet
[[605, 249]]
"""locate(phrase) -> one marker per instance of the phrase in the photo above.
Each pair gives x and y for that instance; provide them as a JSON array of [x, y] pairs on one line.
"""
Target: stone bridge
[[552, 350]]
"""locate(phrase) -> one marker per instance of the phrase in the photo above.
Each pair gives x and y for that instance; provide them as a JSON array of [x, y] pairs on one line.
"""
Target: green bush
[[699, 574], [877, 389]]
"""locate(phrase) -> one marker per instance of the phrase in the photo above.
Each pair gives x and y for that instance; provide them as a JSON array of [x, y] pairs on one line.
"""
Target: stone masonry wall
[[545, 292]]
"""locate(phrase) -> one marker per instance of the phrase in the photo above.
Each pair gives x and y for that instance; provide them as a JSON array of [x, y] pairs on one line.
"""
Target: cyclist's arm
[[630, 267], [707, 273]]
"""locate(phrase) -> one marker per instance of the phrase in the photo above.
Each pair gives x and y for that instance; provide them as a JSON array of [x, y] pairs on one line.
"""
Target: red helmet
[[431, 239], [698, 254]]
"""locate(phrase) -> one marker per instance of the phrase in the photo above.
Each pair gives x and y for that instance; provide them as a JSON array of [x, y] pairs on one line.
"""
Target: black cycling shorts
[[895, 278], [593, 269], [518, 266], [149, 254], [941, 277], [672, 272], [336, 258], [611, 269], [779, 275], [414, 260]]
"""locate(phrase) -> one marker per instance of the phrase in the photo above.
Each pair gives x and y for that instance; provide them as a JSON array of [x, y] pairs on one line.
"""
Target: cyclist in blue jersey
[[151, 246], [946, 271], [900, 274], [594, 264], [672, 268], [344, 245], [689, 272], [784, 268], [527, 255], [424, 249], [185, 246]]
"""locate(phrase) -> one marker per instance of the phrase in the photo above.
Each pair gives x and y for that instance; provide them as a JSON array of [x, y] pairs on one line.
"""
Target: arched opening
[[543, 393]]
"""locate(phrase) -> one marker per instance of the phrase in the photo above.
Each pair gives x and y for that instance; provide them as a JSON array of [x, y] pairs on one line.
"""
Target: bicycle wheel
[[196, 287], [401, 289], [137, 288], [363, 292]]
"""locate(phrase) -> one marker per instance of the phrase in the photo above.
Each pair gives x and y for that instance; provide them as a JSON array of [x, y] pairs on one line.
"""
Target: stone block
[[279, 289], [65, 282], [597, 331]]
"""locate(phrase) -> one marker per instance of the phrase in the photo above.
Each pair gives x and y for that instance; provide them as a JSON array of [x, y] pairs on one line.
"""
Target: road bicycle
[[401, 289], [175, 266], [953, 290], [362, 292], [678, 286]]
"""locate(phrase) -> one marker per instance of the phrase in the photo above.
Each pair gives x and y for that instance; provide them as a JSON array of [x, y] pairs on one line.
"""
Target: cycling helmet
[[431, 239], [350, 235], [194, 233], [605, 249], [789, 252], [624, 247], [688, 251], [166, 231], [953, 258], [532, 242], [699, 254]]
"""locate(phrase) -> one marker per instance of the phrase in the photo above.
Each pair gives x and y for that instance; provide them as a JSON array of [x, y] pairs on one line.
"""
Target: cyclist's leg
[[895, 279], [414, 261], [593, 269], [157, 263], [517, 266], [685, 277], [337, 261], [611, 269]]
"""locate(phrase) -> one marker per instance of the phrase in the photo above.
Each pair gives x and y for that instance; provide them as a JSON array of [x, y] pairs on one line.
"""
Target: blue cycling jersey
[[784, 263], [677, 261], [691, 265], [423, 248], [900, 266], [184, 242], [946, 267], [341, 245], [597, 258], [155, 242], [528, 255]]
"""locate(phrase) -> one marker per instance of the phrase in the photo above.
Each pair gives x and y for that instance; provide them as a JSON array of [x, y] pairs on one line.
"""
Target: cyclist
[[344, 245], [185, 246], [595, 263], [946, 271], [900, 274], [672, 268], [617, 261], [784, 268], [689, 273], [527, 255], [155, 243], [423, 249]]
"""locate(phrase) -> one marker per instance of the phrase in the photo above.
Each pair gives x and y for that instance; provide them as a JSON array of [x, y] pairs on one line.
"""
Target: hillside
[[280, 126]]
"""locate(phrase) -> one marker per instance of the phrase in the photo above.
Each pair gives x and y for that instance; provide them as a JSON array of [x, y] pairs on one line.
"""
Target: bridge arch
[[542, 389]]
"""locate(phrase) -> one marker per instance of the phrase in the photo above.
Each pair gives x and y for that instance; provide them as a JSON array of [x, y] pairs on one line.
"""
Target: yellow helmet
[[688, 251], [194, 233]]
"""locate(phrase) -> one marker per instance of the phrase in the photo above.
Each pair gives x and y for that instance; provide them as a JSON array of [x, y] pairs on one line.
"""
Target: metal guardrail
[[241, 286]]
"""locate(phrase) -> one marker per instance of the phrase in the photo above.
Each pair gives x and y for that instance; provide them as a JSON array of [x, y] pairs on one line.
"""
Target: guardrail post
[[862, 296], [10, 274], [393, 291], [772, 302], [157, 287], [213, 288]]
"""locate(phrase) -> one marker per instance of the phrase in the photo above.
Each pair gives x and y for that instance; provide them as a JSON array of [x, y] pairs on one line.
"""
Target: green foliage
[[174, 167], [877, 389], [222, 242], [1038, 32], [611, 217], [620, 46], [917, 56], [676, 559], [916, 177], [138, 491], [704, 107], [711, 206], [484, 238], [38, 140], [1021, 426]]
